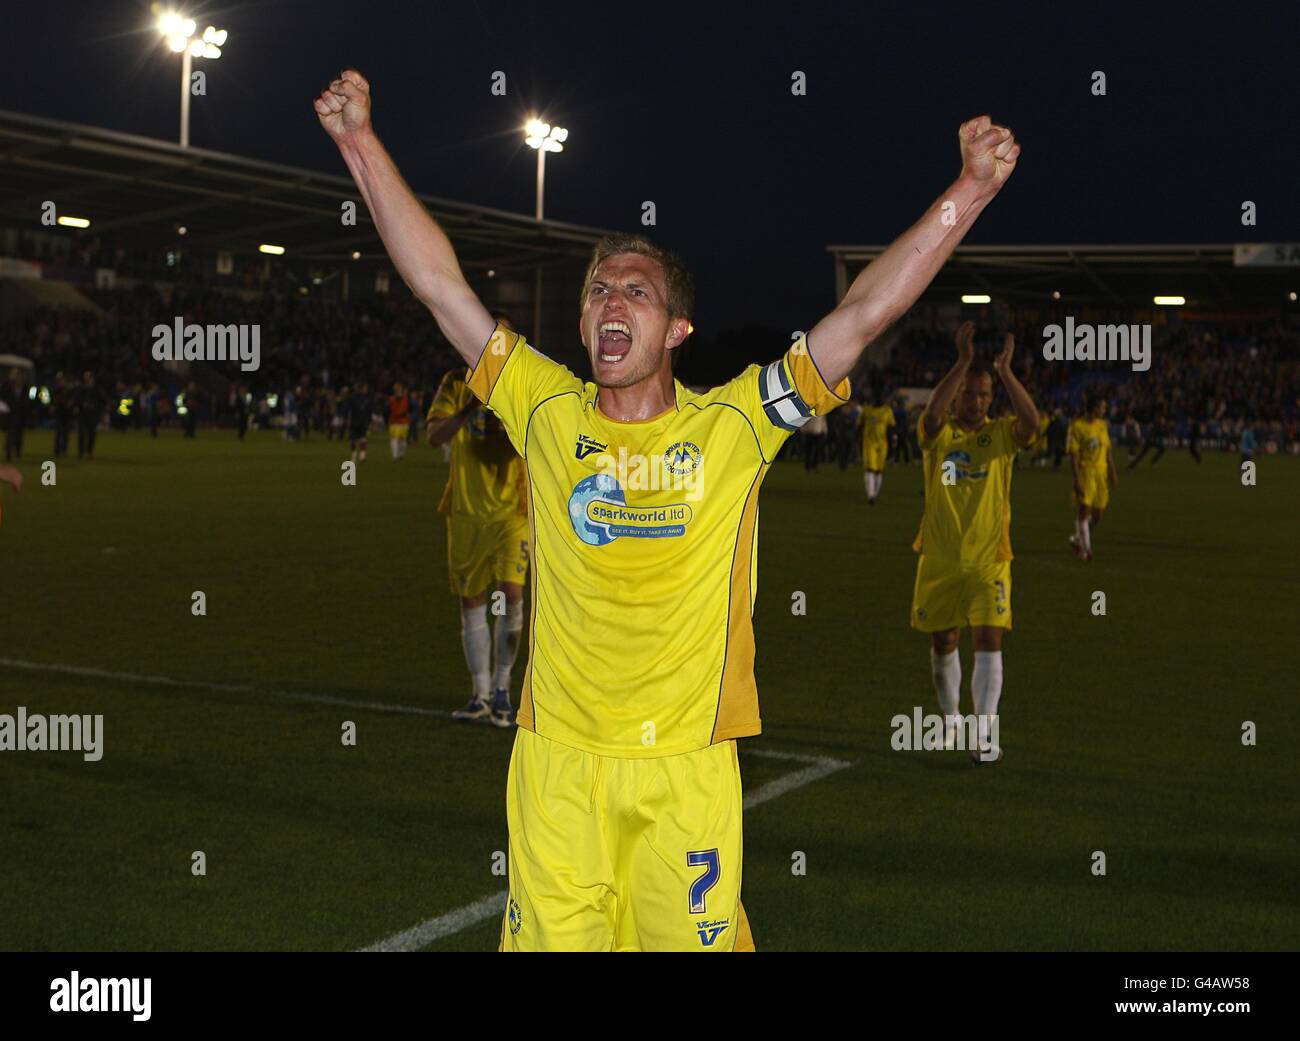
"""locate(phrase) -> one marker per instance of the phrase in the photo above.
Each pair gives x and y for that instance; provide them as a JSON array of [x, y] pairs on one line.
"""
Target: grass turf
[[1122, 732]]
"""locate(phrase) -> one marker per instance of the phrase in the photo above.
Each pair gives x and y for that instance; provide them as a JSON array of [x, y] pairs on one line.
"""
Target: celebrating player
[[624, 795], [1092, 464], [486, 507], [963, 576], [875, 422]]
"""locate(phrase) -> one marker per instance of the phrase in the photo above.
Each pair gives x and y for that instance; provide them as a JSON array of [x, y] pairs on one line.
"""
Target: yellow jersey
[[644, 544], [967, 519], [487, 479], [1044, 421], [875, 422], [1089, 442]]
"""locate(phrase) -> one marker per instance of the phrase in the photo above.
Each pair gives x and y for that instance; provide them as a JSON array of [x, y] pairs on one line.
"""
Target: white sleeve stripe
[[781, 401]]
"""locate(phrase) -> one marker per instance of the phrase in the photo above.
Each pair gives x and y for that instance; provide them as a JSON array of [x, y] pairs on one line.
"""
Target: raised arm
[[419, 249], [439, 431], [946, 389], [889, 285], [1025, 409]]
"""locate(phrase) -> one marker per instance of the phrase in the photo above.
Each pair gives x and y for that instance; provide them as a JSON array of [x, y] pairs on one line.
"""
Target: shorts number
[[1002, 590], [712, 872]]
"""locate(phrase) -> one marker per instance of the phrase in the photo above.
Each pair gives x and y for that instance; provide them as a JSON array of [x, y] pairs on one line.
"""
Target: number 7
[[712, 872]]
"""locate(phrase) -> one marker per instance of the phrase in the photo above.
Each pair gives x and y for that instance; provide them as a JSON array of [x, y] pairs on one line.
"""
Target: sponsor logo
[[586, 446], [710, 931], [599, 512], [962, 466], [516, 917]]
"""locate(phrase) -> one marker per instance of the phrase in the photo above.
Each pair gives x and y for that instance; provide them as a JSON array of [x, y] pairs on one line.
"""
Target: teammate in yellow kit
[[875, 422], [624, 795], [1092, 466], [486, 506], [963, 576]]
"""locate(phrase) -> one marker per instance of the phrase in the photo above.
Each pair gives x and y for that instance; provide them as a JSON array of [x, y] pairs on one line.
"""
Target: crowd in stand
[[312, 348], [1209, 381]]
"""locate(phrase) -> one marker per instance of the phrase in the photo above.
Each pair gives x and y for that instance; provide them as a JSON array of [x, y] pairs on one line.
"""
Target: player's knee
[[945, 641]]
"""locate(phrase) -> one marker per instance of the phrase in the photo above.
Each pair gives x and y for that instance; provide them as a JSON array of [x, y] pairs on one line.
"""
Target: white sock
[[477, 641], [506, 643], [945, 670], [876, 480], [1084, 530], [392, 447], [866, 482], [986, 688]]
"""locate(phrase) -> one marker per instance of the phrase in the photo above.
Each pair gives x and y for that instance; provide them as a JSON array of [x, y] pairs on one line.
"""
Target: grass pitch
[[1122, 733]]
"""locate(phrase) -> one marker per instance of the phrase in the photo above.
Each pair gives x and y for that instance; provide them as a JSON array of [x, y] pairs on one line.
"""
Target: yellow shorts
[[873, 456], [610, 854], [481, 554], [1096, 489], [399, 430], [948, 596]]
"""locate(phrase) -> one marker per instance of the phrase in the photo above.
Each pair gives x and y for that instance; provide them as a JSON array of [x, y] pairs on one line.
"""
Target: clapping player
[[963, 575]]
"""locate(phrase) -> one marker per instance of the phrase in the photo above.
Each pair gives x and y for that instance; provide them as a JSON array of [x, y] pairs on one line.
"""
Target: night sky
[[690, 106]]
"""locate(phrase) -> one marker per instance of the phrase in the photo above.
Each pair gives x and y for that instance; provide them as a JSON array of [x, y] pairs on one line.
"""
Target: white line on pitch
[[818, 767], [444, 925], [226, 688], [434, 929], [439, 928]]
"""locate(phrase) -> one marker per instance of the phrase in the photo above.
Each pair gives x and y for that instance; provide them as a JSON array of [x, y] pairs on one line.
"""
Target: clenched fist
[[344, 106], [988, 152]]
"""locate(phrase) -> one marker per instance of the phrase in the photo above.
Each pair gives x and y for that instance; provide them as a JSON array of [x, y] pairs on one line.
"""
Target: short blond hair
[[679, 283]]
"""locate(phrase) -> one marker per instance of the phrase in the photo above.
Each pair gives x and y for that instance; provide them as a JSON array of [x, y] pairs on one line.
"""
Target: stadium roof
[[1122, 276], [138, 190]]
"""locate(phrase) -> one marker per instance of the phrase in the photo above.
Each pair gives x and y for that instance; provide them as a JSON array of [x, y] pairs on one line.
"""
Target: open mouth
[[613, 342]]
